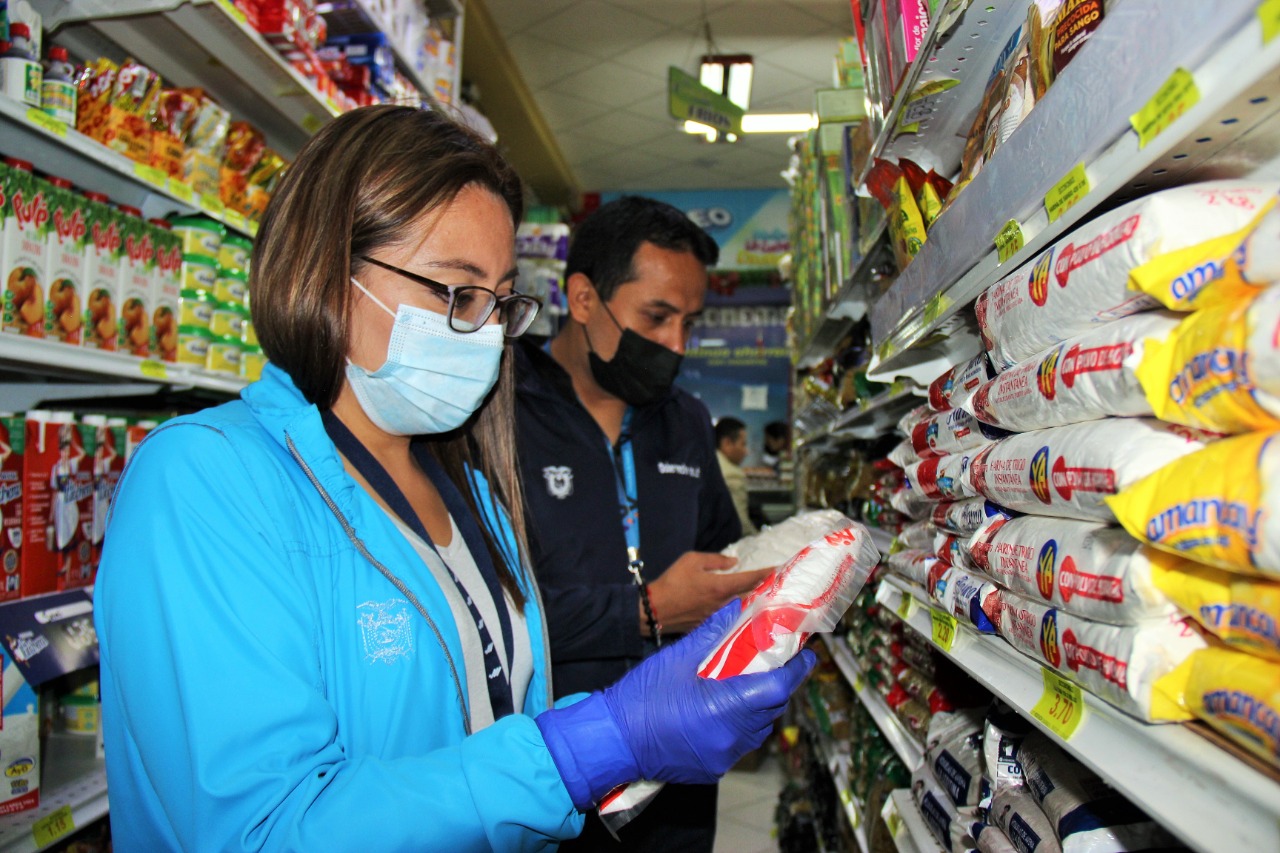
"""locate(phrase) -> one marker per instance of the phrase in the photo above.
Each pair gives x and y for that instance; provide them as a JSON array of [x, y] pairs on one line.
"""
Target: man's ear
[[581, 296]]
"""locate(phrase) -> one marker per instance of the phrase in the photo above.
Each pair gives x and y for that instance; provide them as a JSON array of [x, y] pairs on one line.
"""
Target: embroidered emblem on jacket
[[680, 468], [559, 480], [386, 631]]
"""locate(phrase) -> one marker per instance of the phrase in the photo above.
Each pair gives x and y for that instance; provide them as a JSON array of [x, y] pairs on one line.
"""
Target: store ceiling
[[595, 74]]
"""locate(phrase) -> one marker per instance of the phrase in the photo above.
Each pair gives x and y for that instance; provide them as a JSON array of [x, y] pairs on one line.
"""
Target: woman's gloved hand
[[662, 721]]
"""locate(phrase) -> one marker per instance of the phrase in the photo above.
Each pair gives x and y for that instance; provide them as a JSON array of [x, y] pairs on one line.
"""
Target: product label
[[1009, 240], [50, 828], [944, 629], [1061, 706], [152, 175], [1073, 187], [46, 122], [1178, 94], [182, 192]]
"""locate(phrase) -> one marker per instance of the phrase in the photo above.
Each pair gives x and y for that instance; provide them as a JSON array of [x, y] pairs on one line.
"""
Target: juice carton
[[65, 264], [166, 291], [26, 222], [19, 736], [12, 437], [57, 508], [104, 253], [133, 293], [134, 434]]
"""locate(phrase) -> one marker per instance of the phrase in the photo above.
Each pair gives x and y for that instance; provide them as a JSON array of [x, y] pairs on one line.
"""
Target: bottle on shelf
[[57, 89], [20, 73]]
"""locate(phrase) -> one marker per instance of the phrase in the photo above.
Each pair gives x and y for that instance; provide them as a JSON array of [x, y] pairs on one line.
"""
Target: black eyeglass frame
[[499, 302]]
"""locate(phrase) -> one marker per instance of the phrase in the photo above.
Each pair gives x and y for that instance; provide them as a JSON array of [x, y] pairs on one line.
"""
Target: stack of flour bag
[[1094, 487]]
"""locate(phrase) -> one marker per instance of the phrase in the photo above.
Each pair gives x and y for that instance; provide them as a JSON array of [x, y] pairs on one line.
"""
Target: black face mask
[[640, 372]]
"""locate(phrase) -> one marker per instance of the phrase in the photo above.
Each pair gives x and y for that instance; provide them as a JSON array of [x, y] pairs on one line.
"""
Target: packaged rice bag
[[1212, 505], [1109, 267], [808, 595], [1130, 666], [1070, 470], [1241, 611], [991, 839], [1084, 378], [969, 597], [907, 423], [966, 516], [1219, 369], [918, 536], [942, 478], [953, 750], [953, 548], [912, 565], [949, 825], [777, 543], [951, 432], [1257, 261], [1083, 567], [1239, 695], [1018, 815], [911, 502], [951, 389], [1089, 815], [904, 453], [1002, 734]]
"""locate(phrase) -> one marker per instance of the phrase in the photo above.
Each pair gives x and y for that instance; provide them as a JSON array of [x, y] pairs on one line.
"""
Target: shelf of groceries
[[906, 825], [902, 741], [836, 761], [73, 794]]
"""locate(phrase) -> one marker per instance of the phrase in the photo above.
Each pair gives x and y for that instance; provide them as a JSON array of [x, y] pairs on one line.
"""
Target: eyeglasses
[[470, 306]]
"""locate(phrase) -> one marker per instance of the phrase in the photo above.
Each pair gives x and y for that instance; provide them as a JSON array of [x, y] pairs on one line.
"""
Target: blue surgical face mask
[[433, 379]]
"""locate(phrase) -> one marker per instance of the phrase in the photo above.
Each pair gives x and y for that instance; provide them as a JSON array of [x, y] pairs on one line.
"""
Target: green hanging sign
[[689, 100]]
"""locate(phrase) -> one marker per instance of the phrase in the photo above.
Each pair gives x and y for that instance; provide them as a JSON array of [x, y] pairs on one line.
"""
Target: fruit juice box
[[104, 253], [133, 293], [166, 292], [22, 248], [65, 264], [19, 735], [12, 437], [57, 502]]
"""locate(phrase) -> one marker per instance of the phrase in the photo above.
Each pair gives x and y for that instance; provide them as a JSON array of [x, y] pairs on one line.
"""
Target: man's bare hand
[[691, 589]]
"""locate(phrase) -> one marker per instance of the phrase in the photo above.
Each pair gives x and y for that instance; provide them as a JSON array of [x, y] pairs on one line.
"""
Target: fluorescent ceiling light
[[730, 75], [778, 122], [703, 129]]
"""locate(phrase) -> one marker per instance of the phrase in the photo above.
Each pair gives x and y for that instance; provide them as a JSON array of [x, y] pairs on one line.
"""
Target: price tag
[[893, 822], [1061, 706], [231, 9], [904, 606], [153, 369], [935, 307], [1009, 240], [235, 219], [1269, 15], [46, 122], [51, 827], [1073, 187], [1178, 94], [944, 629], [183, 192], [859, 683], [790, 735], [152, 175], [211, 204]]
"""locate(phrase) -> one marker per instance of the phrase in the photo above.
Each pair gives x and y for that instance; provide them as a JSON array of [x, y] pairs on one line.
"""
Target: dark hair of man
[[604, 245], [776, 430], [358, 185], [728, 428]]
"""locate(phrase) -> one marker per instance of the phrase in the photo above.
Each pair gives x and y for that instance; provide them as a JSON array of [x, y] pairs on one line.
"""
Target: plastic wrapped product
[[1130, 666], [1070, 470], [911, 502], [991, 839], [1241, 611], [1257, 261], [951, 389], [1089, 815], [1022, 821], [1002, 735], [1094, 274], [912, 565], [969, 597], [950, 432], [1082, 567], [949, 825], [1212, 505], [908, 421], [918, 536], [953, 751], [774, 545], [904, 453], [966, 516], [807, 595], [1219, 369], [953, 549], [942, 478], [1084, 378], [1239, 695]]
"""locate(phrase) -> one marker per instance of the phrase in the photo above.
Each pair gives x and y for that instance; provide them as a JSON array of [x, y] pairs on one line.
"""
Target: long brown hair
[[354, 188]]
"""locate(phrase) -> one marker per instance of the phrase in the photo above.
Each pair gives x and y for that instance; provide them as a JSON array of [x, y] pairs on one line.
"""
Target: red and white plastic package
[[951, 389], [807, 595], [966, 516], [916, 566], [951, 432], [943, 478], [774, 545]]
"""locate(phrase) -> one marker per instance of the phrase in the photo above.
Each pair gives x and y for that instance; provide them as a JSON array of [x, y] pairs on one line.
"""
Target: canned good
[[249, 335], [200, 235], [252, 360], [224, 354], [195, 308], [234, 253], [227, 320], [193, 345], [231, 287]]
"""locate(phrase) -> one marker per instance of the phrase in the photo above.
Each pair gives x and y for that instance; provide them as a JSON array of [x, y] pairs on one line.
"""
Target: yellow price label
[[311, 124], [253, 228], [858, 683], [1061, 706], [183, 192], [153, 369], [46, 122], [1066, 192], [1269, 15], [235, 219], [893, 822], [1009, 240], [232, 10], [51, 827], [790, 735], [211, 204], [152, 175], [944, 629], [904, 606], [935, 307], [1178, 94]]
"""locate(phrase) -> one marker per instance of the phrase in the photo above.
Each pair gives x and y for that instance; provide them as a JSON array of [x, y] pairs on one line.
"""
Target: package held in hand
[[774, 545]]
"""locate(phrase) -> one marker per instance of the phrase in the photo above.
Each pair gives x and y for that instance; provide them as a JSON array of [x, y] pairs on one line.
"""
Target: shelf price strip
[[1178, 94], [46, 122], [1061, 706], [944, 629], [1066, 192], [1009, 240], [51, 827]]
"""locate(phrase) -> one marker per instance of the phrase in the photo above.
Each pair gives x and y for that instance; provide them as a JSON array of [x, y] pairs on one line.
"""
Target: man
[[777, 441], [627, 507], [731, 449]]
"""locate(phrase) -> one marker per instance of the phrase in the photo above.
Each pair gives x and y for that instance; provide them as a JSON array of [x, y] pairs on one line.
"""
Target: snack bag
[[907, 423], [951, 432], [1070, 470], [889, 184], [1211, 506], [913, 565], [1084, 378], [807, 595], [1256, 262], [1219, 369], [774, 545], [1239, 695], [991, 839], [1109, 267], [904, 454], [910, 502], [1002, 734], [1133, 667], [966, 516], [951, 389], [917, 536]]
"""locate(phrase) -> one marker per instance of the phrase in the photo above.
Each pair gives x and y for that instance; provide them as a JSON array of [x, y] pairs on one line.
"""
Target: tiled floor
[[747, 801]]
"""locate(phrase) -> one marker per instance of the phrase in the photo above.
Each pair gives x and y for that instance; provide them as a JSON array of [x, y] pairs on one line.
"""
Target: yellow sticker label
[[1269, 15], [893, 822], [1009, 240], [230, 9], [904, 606], [182, 192], [153, 369], [790, 735], [1061, 706], [253, 228], [152, 175], [845, 796], [858, 683], [235, 219], [944, 629], [935, 307], [1066, 192], [1178, 94], [211, 204], [51, 827], [886, 349], [46, 122]]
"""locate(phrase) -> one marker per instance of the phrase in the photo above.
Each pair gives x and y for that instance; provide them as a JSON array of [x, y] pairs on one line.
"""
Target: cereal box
[[57, 508], [12, 436], [104, 251], [19, 736], [65, 264], [133, 292], [22, 249]]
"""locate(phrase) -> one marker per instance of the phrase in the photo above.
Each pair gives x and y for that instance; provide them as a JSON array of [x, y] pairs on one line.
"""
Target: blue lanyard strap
[[624, 475]]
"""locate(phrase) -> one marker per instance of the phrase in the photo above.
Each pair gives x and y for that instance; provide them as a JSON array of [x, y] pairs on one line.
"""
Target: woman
[[316, 629]]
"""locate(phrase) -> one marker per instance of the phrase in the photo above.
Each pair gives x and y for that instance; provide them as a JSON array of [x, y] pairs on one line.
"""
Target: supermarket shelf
[[1229, 132], [850, 304], [879, 415], [1178, 777], [906, 824], [908, 749], [837, 763], [73, 778], [56, 149], [359, 18]]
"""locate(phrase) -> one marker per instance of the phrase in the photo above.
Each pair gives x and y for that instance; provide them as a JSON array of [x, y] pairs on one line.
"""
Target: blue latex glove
[[662, 721]]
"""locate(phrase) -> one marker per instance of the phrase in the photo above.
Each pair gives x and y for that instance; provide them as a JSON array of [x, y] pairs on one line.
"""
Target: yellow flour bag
[[1239, 695]]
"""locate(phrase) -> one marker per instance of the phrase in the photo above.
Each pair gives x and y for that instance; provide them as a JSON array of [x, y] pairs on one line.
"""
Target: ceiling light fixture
[[778, 122], [729, 75]]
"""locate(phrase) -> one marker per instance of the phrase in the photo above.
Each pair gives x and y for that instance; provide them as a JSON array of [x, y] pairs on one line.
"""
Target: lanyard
[[624, 477], [498, 680]]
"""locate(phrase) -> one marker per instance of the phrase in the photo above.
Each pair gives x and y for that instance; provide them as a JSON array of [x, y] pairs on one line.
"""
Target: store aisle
[[747, 802]]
